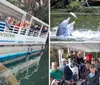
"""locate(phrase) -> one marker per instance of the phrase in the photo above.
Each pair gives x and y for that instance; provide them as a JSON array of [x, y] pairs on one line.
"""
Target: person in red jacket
[[89, 57]]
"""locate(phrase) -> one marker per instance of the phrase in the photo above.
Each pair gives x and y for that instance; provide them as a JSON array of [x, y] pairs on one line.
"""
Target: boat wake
[[22, 70], [88, 35]]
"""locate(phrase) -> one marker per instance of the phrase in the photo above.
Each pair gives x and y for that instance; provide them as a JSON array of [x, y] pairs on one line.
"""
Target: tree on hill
[[38, 8]]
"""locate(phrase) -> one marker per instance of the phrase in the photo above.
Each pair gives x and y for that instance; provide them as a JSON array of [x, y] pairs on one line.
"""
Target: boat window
[[26, 24], [44, 32], [35, 28], [15, 21], [10, 19]]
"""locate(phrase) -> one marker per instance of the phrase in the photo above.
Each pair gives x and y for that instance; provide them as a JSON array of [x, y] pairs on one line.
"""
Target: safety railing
[[2, 26], [41, 32]]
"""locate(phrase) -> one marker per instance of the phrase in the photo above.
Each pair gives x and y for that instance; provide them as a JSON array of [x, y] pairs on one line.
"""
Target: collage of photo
[[49, 42]]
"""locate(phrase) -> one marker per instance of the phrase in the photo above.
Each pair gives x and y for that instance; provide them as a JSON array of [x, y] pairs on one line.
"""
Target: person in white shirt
[[75, 72]]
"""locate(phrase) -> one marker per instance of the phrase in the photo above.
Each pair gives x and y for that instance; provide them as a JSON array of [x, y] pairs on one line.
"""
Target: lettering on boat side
[[7, 35]]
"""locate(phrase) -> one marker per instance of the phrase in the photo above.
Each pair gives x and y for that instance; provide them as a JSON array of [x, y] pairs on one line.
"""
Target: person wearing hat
[[92, 78]]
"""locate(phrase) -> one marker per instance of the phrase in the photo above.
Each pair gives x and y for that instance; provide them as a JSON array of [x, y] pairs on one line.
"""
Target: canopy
[[79, 46], [11, 10]]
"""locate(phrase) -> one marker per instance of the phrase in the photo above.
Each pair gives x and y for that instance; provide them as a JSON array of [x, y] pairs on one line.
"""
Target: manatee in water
[[9, 77], [65, 29], [62, 28]]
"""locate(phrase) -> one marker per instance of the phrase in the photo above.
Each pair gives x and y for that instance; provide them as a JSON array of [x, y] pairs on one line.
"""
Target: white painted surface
[[15, 49]]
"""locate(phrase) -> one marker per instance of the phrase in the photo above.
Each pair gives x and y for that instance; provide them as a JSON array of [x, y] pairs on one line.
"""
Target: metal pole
[[27, 31], [84, 54], [60, 52], [40, 31], [22, 21]]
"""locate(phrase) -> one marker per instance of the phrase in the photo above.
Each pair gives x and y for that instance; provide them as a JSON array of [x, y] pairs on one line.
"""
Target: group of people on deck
[[12, 22], [78, 69]]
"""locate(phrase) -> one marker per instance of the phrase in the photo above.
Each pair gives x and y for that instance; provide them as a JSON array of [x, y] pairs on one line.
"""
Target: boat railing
[[33, 33], [2, 26], [44, 32], [24, 31], [12, 29]]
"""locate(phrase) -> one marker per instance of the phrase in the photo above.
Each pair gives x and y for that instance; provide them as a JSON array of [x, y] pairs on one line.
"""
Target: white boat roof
[[79, 46], [17, 10], [12, 6]]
